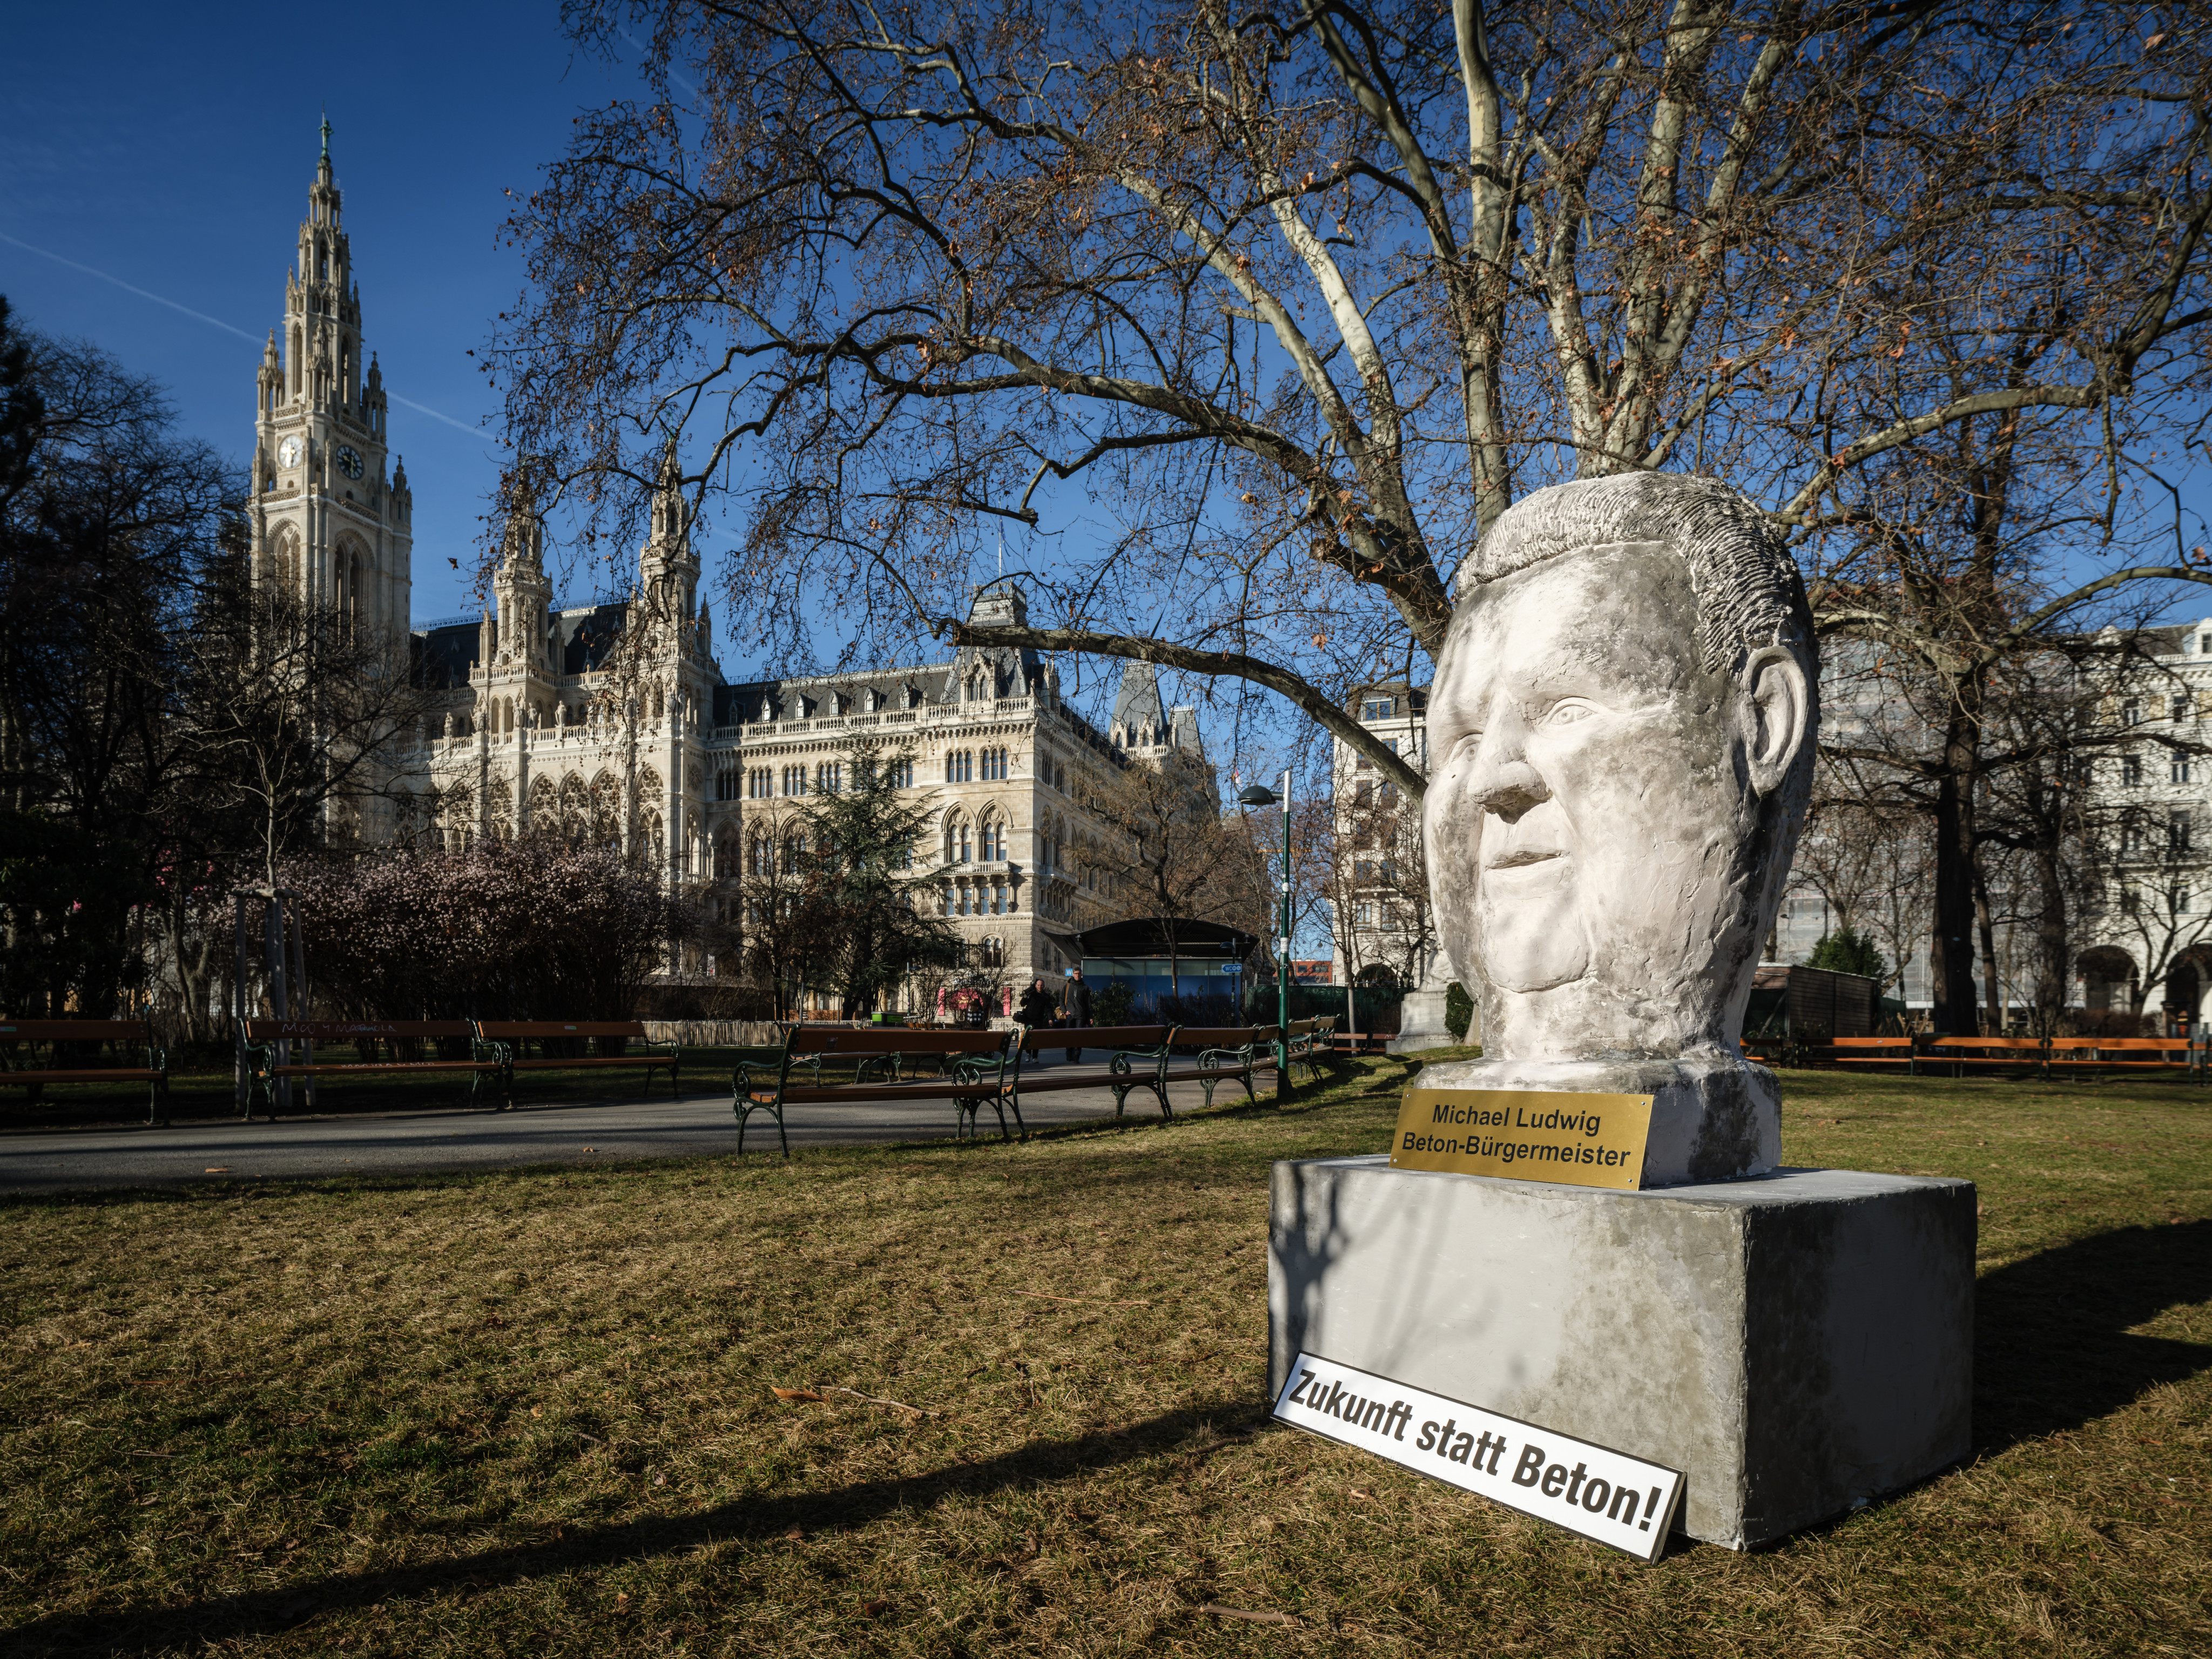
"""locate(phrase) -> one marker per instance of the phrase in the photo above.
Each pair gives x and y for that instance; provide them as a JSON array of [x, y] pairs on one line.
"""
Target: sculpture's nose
[[1503, 781]]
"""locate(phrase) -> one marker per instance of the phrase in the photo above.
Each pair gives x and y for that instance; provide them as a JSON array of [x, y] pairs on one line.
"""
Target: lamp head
[[1257, 795]]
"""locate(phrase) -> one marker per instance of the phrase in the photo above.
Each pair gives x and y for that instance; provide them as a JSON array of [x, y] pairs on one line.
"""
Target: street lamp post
[[1260, 795]]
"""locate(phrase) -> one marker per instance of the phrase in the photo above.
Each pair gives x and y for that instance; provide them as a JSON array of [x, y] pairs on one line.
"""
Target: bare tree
[[1307, 295], [295, 719], [1166, 853], [110, 524]]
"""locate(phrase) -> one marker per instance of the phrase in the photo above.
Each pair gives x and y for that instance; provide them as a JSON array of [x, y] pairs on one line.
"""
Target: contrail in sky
[[215, 322], [200, 316]]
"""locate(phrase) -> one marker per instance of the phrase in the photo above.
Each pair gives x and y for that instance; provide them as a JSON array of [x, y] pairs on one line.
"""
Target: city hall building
[[613, 723]]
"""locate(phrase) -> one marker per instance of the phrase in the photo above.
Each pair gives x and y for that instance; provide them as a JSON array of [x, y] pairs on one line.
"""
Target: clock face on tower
[[350, 461], [289, 452]]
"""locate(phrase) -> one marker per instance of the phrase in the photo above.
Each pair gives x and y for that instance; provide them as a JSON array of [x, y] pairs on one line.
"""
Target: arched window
[[959, 846], [759, 854], [992, 952], [994, 838]]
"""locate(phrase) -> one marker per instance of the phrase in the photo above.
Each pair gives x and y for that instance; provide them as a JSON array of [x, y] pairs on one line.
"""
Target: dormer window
[[767, 709]]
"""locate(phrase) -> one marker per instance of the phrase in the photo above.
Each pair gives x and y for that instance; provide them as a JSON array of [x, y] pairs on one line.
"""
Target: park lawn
[[532, 1413]]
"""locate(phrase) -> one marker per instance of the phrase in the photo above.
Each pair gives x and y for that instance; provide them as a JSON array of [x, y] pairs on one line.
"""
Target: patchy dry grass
[[531, 1413]]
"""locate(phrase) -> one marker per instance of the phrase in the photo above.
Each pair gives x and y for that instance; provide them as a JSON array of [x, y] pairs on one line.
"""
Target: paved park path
[[461, 1139]]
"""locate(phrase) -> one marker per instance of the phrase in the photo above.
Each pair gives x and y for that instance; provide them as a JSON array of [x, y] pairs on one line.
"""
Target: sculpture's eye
[[1567, 711]]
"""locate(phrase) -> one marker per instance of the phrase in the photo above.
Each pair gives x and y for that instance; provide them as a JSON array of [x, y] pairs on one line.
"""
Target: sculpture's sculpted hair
[[1749, 593]]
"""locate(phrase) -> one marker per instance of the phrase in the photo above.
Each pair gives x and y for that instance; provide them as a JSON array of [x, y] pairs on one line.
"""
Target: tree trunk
[[1953, 992], [1992, 980], [2051, 954]]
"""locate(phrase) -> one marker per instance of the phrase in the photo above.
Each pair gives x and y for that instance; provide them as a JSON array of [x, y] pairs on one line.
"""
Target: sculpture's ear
[[1778, 709]]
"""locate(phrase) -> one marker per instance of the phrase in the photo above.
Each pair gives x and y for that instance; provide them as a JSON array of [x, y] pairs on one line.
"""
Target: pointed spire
[[1139, 721]]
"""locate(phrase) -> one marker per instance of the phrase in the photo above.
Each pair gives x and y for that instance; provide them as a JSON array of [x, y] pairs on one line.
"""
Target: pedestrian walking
[[1078, 1007]]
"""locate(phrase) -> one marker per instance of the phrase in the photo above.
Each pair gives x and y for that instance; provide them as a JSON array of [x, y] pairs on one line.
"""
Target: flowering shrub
[[527, 930]]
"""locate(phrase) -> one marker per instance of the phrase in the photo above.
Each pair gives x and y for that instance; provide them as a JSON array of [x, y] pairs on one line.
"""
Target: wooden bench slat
[[353, 1030], [319, 1068], [94, 1074]]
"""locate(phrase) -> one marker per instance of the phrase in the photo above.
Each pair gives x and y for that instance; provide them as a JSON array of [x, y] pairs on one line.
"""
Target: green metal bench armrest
[[979, 1068], [491, 1050], [1243, 1056], [1119, 1064], [741, 1076], [889, 1063]]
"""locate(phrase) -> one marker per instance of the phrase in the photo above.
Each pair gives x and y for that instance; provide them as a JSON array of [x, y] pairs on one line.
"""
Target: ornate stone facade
[[614, 722]]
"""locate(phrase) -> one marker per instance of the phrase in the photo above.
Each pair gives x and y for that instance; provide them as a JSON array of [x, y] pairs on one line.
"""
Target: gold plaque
[[1525, 1134]]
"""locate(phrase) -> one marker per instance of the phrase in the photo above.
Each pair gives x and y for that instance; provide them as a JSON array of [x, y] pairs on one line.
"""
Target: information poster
[[1592, 1490], [1525, 1134]]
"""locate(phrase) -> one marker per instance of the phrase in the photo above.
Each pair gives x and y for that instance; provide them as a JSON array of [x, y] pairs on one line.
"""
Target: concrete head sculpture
[[1622, 723]]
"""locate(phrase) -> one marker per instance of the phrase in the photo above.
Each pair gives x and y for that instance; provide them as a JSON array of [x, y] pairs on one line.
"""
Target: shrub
[[1849, 952], [1109, 1004], [1459, 1011]]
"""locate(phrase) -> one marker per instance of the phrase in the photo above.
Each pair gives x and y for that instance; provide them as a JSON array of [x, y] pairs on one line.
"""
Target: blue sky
[[171, 148]]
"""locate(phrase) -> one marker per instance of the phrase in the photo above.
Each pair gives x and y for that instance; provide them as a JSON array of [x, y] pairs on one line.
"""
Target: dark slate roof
[[740, 704], [442, 657], [582, 638]]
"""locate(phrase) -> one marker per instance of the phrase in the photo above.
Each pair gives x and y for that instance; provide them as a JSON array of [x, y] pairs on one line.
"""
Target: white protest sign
[[1592, 1490]]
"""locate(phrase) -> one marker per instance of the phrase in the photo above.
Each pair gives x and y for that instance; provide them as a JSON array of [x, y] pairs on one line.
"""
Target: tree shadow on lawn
[[2052, 1347], [228, 1618]]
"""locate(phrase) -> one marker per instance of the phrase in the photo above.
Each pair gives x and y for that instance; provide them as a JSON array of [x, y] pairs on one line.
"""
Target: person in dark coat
[[1077, 1004], [1036, 1010]]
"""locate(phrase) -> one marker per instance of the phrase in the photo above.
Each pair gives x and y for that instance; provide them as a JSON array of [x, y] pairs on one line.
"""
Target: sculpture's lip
[[1516, 857]]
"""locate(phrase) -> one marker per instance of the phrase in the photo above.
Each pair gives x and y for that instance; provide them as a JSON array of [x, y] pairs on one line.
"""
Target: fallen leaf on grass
[[875, 1609], [1248, 1617], [796, 1535], [795, 1394], [216, 1168]]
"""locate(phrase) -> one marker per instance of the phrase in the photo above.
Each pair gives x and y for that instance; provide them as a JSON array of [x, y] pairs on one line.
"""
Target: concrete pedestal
[[1421, 1015], [1797, 1343]]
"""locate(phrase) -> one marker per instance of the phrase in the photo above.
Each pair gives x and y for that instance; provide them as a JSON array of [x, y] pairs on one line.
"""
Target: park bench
[[2177, 1054], [979, 1068], [269, 1044], [1144, 1057], [560, 1048], [1987, 1052], [1875, 1051], [1311, 1044], [57, 1036]]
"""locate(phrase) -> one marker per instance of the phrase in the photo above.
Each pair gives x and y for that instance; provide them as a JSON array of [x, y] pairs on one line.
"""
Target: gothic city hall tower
[[610, 723], [328, 526]]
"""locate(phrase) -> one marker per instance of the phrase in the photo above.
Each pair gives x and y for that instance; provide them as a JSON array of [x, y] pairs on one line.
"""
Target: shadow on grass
[[229, 1618], [2053, 1348]]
